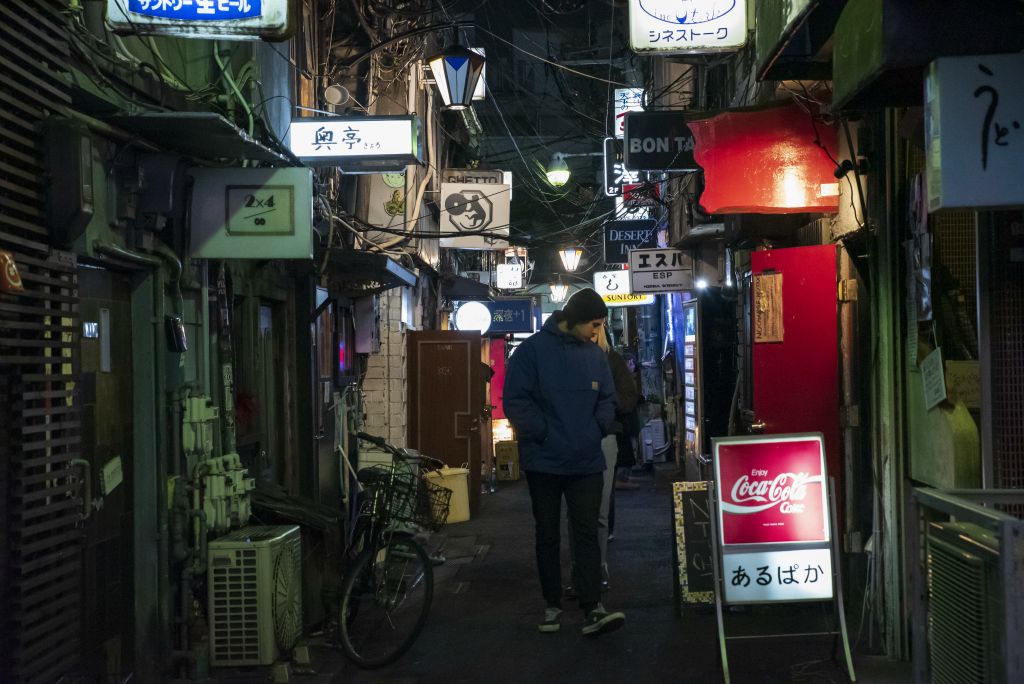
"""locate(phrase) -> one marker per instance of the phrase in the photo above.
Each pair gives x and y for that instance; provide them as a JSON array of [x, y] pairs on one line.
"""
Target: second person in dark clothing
[[560, 397]]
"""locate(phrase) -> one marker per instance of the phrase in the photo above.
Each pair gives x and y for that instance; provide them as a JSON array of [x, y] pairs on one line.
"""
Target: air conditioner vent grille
[[962, 608]]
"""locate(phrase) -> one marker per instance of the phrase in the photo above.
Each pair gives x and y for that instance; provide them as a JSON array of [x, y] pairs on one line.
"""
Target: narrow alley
[[483, 624], [326, 325]]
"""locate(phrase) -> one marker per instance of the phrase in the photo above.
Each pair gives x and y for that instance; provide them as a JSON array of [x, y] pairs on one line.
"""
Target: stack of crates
[[506, 458]]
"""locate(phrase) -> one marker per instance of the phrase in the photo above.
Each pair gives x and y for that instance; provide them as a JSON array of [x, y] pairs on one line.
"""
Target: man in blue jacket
[[560, 397]]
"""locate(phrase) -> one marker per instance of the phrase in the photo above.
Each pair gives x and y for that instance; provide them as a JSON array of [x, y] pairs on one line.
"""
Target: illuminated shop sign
[[626, 100], [367, 144], [677, 27], [231, 19]]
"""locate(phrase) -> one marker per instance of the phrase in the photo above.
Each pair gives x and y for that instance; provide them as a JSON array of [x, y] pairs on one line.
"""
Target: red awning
[[766, 161]]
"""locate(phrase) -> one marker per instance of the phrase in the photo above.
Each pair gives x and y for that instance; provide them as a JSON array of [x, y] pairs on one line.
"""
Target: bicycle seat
[[369, 476]]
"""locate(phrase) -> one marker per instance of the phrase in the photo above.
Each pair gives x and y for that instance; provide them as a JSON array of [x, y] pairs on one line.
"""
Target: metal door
[[795, 348], [446, 400]]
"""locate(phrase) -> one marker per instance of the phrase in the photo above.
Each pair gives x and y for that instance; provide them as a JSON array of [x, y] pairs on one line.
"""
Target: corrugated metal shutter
[[40, 537]]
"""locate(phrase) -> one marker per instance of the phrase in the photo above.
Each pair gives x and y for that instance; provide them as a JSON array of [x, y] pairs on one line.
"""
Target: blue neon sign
[[198, 10]]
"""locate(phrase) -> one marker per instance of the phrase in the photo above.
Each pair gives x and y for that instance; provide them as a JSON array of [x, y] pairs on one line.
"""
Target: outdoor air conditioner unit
[[255, 595], [964, 604]]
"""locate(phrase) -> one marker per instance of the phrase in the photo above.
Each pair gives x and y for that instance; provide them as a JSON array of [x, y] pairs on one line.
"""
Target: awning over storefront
[[462, 288], [204, 135], [881, 47], [355, 272], [792, 39]]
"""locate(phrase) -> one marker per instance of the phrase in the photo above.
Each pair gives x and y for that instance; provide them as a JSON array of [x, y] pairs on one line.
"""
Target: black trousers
[[583, 502]]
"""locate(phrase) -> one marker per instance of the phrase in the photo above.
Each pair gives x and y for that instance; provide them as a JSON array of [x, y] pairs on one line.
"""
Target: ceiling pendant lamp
[[570, 257], [456, 70], [558, 292]]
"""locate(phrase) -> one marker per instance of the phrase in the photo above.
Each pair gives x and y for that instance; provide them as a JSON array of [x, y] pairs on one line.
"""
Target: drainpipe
[[850, 423], [226, 363]]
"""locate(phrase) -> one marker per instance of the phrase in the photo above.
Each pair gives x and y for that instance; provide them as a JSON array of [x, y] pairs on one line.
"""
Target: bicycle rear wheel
[[385, 601]]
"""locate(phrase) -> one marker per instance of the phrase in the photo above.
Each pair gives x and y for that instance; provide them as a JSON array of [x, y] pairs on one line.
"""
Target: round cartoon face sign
[[469, 210]]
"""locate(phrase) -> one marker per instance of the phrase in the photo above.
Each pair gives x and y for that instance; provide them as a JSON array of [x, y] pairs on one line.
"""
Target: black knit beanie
[[585, 305]]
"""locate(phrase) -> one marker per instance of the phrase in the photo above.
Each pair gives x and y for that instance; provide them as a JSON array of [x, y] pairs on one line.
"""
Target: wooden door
[[106, 401], [446, 400]]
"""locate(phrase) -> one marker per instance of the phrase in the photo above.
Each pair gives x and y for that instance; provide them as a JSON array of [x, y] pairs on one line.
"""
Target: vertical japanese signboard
[[773, 518], [616, 175], [768, 322], [626, 100]]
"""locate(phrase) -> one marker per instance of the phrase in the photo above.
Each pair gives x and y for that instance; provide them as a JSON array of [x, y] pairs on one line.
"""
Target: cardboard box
[[506, 458]]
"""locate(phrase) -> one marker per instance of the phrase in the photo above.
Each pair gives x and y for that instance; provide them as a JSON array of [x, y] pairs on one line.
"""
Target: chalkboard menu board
[[692, 525]]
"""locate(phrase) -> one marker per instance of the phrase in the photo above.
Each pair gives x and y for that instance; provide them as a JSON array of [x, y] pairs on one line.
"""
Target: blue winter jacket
[[560, 397]]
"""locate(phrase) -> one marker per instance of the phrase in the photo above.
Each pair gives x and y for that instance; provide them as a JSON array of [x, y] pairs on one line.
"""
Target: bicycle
[[389, 586]]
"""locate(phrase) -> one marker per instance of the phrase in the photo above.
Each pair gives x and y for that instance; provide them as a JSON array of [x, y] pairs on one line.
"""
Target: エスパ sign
[[679, 27], [660, 270], [772, 490]]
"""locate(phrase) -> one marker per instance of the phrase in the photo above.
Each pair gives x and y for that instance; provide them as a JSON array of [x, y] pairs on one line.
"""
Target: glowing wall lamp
[[558, 171], [473, 316], [456, 70], [570, 257], [558, 292]]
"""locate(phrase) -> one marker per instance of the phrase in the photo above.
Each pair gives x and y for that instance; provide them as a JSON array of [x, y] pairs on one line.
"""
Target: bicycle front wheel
[[385, 601]]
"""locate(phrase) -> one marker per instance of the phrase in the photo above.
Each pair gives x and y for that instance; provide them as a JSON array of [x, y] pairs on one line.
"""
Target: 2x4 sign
[[660, 270], [659, 141], [622, 236]]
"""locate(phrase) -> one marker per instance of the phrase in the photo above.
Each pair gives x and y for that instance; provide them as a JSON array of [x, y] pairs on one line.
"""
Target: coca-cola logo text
[[757, 492]]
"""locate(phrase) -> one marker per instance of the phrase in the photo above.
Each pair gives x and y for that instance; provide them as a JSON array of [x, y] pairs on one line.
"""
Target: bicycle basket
[[434, 501], [411, 501]]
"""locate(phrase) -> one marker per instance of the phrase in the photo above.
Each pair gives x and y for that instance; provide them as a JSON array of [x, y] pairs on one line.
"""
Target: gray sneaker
[[551, 620], [600, 621]]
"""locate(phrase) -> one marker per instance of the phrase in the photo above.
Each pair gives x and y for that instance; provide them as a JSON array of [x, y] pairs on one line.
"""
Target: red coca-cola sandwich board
[[773, 518], [772, 490], [773, 528]]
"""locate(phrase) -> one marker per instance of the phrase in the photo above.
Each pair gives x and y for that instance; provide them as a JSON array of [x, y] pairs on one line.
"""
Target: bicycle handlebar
[[379, 442], [372, 439]]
